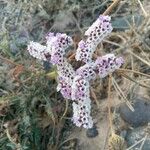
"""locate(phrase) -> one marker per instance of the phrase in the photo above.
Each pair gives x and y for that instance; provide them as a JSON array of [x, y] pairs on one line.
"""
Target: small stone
[[91, 133], [141, 114], [123, 133]]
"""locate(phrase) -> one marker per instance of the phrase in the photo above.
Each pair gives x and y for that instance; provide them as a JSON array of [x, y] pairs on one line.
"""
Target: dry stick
[[72, 138], [66, 108], [133, 71], [94, 96], [142, 144], [144, 61], [116, 86], [111, 7], [129, 78], [72, 56], [130, 148], [113, 43], [144, 12], [137, 35], [144, 53], [109, 104], [12, 140]]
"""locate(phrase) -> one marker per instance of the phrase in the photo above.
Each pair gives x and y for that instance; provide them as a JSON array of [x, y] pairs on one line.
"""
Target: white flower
[[80, 88], [38, 51], [108, 64], [81, 113], [87, 71], [94, 35], [66, 70]]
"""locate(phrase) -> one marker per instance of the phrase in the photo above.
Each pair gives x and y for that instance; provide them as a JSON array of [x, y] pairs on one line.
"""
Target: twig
[[66, 108], [111, 7], [144, 12], [109, 104], [116, 86], [144, 61], [113, 43], [72, 56], [73, 138], [130, 148], [129, 78], [142, 144], [94, 96], [133, 71], [18, 146]]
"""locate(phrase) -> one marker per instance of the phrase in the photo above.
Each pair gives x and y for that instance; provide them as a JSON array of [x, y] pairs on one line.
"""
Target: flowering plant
[[74, 84]]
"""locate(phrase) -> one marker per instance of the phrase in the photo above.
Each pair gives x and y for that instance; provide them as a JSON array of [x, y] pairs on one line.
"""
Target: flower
[[80, 88], [81, 113], [84, 51], [73, 84], [87, 71], [64, 40], [57, 55], [38, 51], [57, 45], [64, 87], [60, 40], [94, 35], [100, 27], [108, 64], [66, 70], [66, 75], [55, 49]]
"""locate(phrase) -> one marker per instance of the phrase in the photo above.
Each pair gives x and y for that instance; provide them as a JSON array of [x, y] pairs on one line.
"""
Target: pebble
[[91, 133], [141, 114]]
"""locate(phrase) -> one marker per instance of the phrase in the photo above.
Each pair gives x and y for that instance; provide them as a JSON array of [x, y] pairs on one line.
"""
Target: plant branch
[[111, 7]]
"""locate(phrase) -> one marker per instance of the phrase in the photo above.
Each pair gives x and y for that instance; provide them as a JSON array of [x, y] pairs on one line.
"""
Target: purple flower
[[84, 52], [64, 87], [80, 88], [58, 45], [66, 70], [95, 34], [73, 84], [108, 64], [81, 113], [101, 27], [87, 71]]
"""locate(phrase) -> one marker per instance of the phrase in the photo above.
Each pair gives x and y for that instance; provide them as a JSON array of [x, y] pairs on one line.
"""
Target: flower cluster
[[38, 51], [65, 78], [57, 46], [82, 103], [87, 71], [108, 64], [54, 52], [81, 114], [94, 35], [73, 84], [64, 87]]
